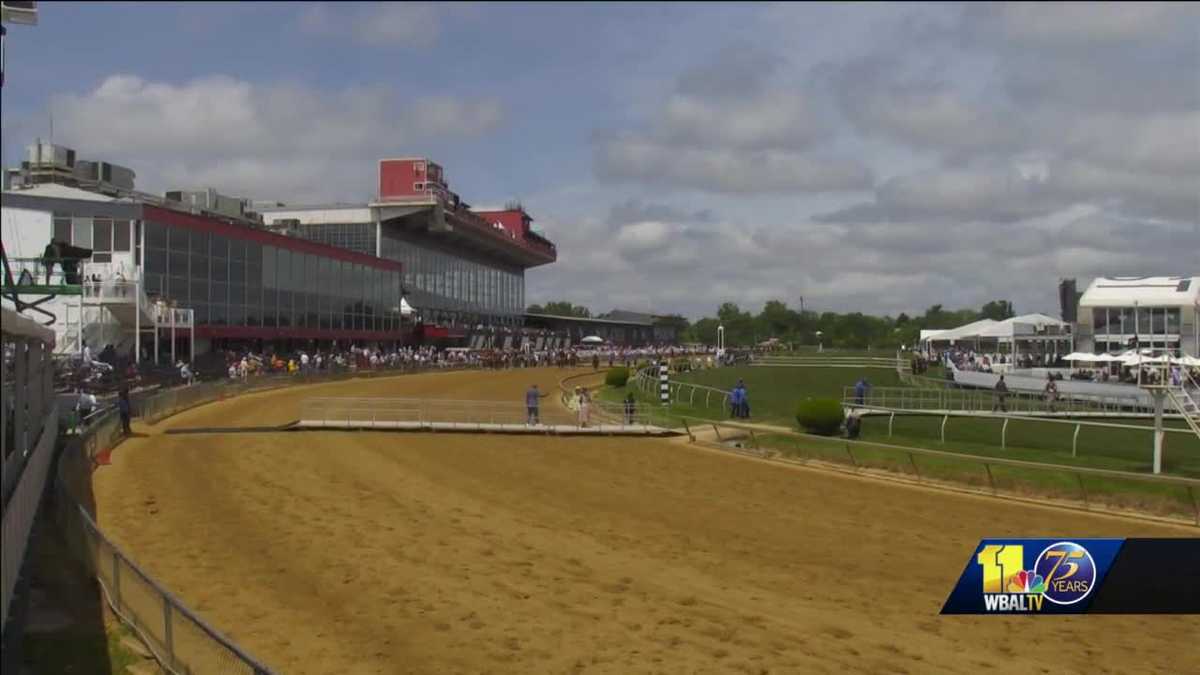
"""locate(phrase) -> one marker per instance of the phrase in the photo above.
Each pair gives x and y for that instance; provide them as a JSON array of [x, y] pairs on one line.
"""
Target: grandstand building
[[225, 269], [463, 267], [1159, 313]]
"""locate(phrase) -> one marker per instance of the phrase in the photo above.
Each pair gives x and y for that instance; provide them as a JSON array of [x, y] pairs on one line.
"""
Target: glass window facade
[[456, 285], [1120, 324], [233, 282], [358, 237]]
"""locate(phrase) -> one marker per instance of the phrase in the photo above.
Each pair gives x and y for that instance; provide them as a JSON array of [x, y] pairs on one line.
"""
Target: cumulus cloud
[[388, 24], [1104, 94], [634, 210], [692, 267], [1057, 25], [730, 128], [1024, 143], [726, 170], [282, 140]]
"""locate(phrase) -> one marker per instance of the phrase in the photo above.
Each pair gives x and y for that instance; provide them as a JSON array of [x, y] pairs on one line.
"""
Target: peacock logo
[[1025, 581]]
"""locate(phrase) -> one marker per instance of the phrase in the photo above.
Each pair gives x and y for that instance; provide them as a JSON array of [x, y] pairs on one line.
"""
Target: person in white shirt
[[303, 362]]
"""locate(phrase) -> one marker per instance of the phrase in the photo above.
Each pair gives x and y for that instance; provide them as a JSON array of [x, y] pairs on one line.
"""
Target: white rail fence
[[343, 412]]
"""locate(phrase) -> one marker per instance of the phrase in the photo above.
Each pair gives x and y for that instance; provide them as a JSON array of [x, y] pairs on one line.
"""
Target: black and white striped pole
[[664, 383]]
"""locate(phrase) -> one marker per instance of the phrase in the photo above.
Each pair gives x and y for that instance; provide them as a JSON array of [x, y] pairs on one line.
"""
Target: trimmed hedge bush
[[617, 377], [822, 416]]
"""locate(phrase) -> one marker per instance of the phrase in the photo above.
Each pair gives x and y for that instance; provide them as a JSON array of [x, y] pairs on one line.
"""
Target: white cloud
[[726, 170], [282, 140], [1055, 24], [387, 24], [731, 128]]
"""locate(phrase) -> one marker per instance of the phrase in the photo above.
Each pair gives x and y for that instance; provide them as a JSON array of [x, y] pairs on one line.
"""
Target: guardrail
[[180, 640], [889, 362], [165, 403], [984, 400], [28, 433], [694, 395], [1172, 497], [382, 411]]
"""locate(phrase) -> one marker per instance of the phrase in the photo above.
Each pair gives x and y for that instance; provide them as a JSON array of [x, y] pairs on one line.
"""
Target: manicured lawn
[[1164, 499], [775, 392], [1098, 447]]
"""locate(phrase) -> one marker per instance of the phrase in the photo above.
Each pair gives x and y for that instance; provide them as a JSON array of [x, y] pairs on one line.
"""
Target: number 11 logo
[[1001, 563]]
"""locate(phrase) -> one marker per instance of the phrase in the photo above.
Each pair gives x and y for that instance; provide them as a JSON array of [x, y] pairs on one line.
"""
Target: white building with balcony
[[1158, 313]]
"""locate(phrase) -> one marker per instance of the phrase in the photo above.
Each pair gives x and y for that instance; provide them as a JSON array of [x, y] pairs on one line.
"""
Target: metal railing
[[28, 432], [819, 361], [164, 403], [1173, 497], [983, 400], [44, 272], [467, 414], [693, 395], [181, 641]]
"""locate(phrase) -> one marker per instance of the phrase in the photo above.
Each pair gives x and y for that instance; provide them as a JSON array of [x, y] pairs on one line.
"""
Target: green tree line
[[853, 330]]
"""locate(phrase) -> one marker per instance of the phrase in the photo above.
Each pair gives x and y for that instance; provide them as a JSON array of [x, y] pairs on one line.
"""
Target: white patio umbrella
[[593, 340], [1081, 357]]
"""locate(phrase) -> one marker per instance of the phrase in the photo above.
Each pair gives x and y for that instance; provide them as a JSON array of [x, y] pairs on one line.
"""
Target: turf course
[[775, 392]]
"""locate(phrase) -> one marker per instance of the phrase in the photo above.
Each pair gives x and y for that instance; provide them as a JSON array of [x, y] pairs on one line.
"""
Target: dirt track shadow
[[66, 618]]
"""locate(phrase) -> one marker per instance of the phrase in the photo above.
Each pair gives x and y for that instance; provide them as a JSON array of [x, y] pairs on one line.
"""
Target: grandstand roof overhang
[[1182, 291]]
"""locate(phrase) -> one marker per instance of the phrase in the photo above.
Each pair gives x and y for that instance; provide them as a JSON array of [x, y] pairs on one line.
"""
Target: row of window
[[442, 281], [103, 235], [1114, 347], [1135, 320], [233, 282], [358, 237]]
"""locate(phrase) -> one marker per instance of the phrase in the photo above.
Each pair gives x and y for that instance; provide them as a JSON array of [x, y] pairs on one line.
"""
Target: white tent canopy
[[405, 308], [988, 329], [593, 340]]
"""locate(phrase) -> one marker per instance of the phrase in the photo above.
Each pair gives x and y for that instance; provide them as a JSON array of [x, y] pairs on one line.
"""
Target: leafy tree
[[565, 308], [997, 310]]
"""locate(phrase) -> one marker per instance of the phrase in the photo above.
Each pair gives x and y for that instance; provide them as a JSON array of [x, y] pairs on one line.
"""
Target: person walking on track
[[532, 401], [125, 409], [1001, 400], [585, 407]]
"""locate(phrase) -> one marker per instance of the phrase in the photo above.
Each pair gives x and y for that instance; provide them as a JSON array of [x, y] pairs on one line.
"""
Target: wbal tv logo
[[1063, 573]]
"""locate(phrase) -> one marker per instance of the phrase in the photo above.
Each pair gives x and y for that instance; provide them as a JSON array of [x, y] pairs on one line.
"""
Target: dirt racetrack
[[359, 552]]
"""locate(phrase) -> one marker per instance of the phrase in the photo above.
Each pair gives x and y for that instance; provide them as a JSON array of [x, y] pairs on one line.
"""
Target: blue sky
[[878, 157]]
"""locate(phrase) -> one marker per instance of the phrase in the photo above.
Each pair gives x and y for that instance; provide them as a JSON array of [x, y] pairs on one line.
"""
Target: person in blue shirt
[[735, 401], [860, 391], [532, 400]]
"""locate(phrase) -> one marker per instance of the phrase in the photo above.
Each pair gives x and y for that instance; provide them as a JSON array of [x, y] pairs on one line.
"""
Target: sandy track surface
[[326, 552]]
